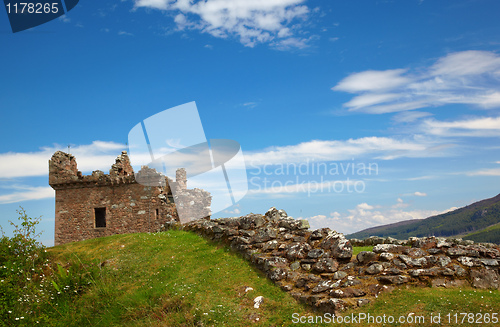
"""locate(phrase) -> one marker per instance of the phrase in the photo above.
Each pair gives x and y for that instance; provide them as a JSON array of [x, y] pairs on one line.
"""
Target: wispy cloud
[[65, 19], [485, 172], [476, 126], [383, 148], [253, 22], [468, 77], [410, 116], [125, 33], [27, 193]]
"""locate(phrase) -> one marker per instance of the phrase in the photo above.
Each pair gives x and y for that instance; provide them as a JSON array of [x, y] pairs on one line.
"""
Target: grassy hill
[[469, 220], [490, 234], [173, 278], [177, 278]]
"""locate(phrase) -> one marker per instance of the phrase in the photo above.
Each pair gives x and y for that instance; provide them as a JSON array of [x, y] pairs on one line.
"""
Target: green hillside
[[173, 278], [490, 235], [177, 278], [473, 218]]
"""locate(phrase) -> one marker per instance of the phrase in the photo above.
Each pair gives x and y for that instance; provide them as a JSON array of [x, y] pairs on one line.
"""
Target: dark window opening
[[157, 213], [100, 217]]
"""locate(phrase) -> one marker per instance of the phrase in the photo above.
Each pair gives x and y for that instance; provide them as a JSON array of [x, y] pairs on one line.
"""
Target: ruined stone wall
[[128, 206], [318, 268]]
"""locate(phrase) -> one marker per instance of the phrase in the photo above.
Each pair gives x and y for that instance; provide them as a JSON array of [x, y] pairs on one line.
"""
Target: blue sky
[[410, 89]]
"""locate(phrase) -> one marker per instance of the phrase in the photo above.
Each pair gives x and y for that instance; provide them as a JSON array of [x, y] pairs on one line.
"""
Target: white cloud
[[365, 216], [420, 194], [235, 211], [410, 116], [476, 126], [98, 155], [253, 22], [373, 80], [485, 172], [65, 19], [375, 147], [27, 193], [468, 77], [125, 33]]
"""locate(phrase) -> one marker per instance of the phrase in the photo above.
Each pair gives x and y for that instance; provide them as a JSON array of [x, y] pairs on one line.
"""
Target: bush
[[23, 263]]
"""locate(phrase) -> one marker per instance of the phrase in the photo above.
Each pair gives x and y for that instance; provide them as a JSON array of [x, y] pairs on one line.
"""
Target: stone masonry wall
[[129, 206], [317, 267]]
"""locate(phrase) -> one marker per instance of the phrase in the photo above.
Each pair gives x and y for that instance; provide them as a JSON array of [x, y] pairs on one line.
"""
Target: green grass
[[427, 302], [177, 278], [357, 249], [170, 279]]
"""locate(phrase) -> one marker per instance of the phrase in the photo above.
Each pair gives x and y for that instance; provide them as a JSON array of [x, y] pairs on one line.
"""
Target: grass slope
[[173, 278], [177, 278], [490, 234], [475, 217]]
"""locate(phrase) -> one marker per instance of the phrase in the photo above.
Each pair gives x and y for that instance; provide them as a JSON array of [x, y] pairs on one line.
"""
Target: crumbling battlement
[[90, 206]]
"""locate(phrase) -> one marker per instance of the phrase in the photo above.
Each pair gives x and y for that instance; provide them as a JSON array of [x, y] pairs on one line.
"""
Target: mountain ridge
[[470, 219]]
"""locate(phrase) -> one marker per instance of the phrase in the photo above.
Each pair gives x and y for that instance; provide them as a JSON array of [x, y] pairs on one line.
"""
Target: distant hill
[[475, 221]]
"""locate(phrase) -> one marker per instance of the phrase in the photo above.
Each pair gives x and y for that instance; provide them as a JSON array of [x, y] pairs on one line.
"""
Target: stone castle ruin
[[96, 205]]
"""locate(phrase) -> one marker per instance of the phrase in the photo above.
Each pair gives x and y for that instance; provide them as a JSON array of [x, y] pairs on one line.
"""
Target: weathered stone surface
[[484, 278], [330, 305], [423, 272], [441, 260], [297, 250], [264, 235], [466, 261], [447, 283], [393, 271], [385, 256], [375, 268], [270, 245], [337, 244], [456, 251], [489, 262], [274, 262], [423, 243], [325, 265], [398, 263], [315, 253], [351, 281], [277, 274], [323, 286], [413, 262], [374, 240], [459, 271], [347, 292], [392, 248], [434, 251], [399, 279], [366, 256], [295, 265], [415, 252], [339, 275], [319, 234], [274, 214], [357, 242]]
